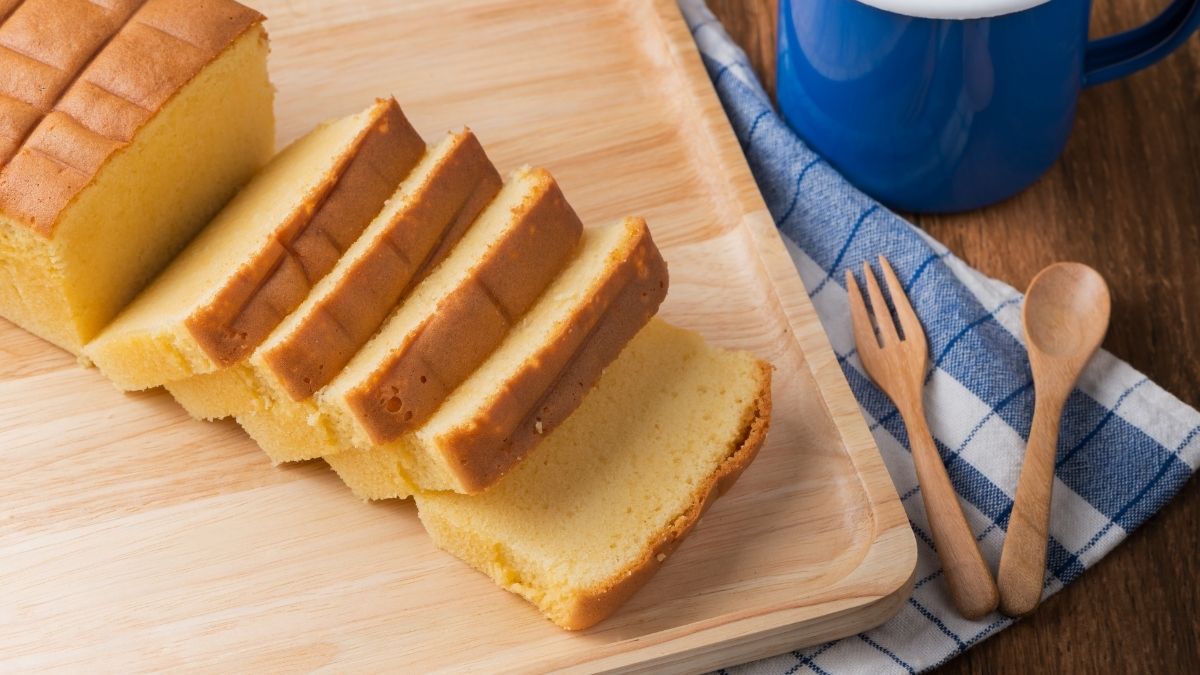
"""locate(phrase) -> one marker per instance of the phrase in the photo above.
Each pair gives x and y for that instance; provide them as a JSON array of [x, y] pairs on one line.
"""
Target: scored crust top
[[78, 78]]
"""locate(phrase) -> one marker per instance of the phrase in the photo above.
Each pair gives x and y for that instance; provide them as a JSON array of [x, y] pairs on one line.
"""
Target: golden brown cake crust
[[417, 238], [7, 7], [598, 603], [551, 386], [267, 288], [78, 79], [471, 321]]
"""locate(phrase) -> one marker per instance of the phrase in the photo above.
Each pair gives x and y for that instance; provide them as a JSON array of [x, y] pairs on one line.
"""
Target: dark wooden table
[[1125, 199]]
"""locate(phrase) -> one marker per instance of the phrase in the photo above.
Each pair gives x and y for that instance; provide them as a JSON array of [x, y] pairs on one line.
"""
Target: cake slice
[[454, 320], [456, 316], [504, 262], [421, 223], [529, 385], [257, 261], [124, 126], [670, 426]]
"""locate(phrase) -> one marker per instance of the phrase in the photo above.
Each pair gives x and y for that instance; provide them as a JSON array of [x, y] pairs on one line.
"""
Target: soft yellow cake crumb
[[577, 527]]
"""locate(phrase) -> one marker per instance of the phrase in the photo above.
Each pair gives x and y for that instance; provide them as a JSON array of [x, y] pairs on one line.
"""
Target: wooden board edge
[[768, 633], [869, 594], [792, 299], [881, 581]]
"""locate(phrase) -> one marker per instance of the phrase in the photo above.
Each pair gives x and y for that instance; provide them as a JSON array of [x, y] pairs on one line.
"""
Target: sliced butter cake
[[257, 261], [454, 320], [124, 126], [416, 231], [428, 214], [450, 323], [580, 526], [542, 370], [503, 263], [399, 310]]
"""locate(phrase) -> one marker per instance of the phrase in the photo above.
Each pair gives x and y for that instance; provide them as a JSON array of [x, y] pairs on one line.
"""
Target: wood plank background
[[1125, 199]]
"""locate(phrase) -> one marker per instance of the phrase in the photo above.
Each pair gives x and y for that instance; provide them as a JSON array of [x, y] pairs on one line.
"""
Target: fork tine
[[883, 317], [864, 334], [904, 311]]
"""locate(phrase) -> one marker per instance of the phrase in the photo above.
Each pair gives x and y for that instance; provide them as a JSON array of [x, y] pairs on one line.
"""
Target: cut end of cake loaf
[[119, 139], [261, 255], [584, 523], [416, 230], [542, 370], [457, 316]]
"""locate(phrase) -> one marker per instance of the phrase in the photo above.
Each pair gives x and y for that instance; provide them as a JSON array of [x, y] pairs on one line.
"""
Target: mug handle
[[1125, 53]]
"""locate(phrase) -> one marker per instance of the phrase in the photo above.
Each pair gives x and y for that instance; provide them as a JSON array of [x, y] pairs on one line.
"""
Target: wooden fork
[[897, 366]]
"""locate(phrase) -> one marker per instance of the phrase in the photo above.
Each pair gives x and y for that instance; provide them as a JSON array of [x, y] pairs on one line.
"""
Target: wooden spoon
[[1066, 316]]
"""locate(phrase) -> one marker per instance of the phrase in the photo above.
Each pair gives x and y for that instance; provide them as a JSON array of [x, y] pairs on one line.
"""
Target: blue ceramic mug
[[949, 105]]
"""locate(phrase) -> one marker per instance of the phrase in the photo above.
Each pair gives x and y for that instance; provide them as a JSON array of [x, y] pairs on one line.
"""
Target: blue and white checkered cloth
[[1126, 445]]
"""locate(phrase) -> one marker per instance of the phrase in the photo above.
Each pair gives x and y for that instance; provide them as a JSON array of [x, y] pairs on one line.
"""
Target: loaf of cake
[[262, 254], [419, 225], [531, 383], [124, 126], [670, 426], [398, 310]]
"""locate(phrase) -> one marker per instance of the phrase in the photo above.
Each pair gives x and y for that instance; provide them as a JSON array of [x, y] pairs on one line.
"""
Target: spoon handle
[[1023, 560], [970, 580]]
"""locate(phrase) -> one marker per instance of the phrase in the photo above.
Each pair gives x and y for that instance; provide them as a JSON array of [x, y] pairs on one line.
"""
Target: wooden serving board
[[134, 538]]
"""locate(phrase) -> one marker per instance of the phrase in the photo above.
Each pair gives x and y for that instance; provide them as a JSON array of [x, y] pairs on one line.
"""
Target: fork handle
[[971, 585]]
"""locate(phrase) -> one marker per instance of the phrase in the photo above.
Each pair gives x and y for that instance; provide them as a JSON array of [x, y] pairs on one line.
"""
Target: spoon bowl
[[1066, 311]]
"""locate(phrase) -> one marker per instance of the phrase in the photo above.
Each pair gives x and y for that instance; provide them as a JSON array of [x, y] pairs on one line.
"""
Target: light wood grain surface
[[132, 537], [1124, 199]]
